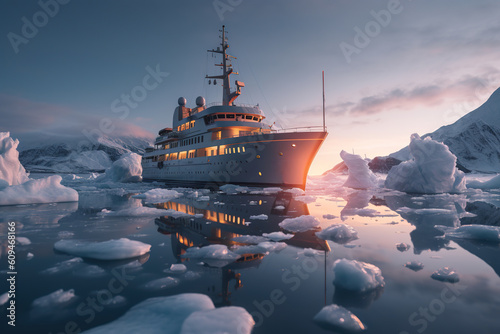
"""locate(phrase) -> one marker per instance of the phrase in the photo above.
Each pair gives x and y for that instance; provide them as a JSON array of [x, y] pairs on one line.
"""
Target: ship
[[230, 143]]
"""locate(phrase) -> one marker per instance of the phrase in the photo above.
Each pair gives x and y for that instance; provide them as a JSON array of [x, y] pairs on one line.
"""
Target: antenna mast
[[227, 70], [324, 124]]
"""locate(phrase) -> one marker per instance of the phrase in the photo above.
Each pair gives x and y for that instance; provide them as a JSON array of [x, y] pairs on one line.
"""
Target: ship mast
[[227, 97]]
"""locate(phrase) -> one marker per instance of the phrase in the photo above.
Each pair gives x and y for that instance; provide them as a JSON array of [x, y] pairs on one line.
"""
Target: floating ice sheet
[[107, 250]]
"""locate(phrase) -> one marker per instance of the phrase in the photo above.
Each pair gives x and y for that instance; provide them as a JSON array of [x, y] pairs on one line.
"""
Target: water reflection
[[226, 217]]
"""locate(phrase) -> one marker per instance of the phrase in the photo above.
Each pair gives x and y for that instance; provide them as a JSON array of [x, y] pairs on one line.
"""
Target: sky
[[392, 68]]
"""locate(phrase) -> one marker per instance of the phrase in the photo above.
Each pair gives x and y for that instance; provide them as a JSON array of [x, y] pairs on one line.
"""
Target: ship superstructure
[[229, 143]]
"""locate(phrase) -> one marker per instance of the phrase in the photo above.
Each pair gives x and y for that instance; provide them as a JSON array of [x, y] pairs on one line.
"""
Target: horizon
[[392, 68]]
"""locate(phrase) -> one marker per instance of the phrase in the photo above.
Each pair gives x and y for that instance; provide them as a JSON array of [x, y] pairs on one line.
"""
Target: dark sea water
[[283, 290]]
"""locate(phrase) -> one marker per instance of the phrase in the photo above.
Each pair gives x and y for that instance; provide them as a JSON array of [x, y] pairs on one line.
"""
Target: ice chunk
[[54, 299], [259, 217], [46, 190], [11, 170], [336, 317], [250, 239], [272, 246], [178, 268], [300, 224], [142, 211], [232, 189], [279, 207], [216, 255], [311, 252], [402, 247], [339, 233], [163, 315], [329, 216], [4, 297], [63, 266], [252, 249], [107, 250], [493, 183], [162, 283], [432, 169], [357, 276], [227, 320], [159, 194], [29, 256], [91, 271], [414, 265], [191, 275], [445, 274], [126, 169], [277, 236], [478, 232], [360, 176], [23, 241], [306, 199]]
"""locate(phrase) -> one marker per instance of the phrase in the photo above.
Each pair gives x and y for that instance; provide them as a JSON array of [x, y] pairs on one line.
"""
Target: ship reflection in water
[[225, 219]]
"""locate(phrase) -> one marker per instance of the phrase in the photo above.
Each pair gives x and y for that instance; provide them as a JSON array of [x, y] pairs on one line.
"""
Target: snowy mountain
[[76, 154], [474, 138]]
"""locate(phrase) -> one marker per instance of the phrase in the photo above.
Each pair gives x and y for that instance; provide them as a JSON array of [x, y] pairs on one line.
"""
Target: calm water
[[282, 290]]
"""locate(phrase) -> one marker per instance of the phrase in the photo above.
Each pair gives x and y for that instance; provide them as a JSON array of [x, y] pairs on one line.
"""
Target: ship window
[[192, 153], [234, 150], [221, 116], [230, 116], [243, 149], [248, 117], [183, 127], [202, 139], [182, 155], [256, 119], [192, 124], [239, 150], [173, 156]]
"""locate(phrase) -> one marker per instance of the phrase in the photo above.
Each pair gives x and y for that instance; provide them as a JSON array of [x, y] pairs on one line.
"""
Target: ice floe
[[360, 176], [116, 249], [55, 298], [159, 195], [445, 274], [493, 183], [336, 317], [63, 266], [23, 241], [277, 236], [414, 265], [402, 247], [329, 216], [339, 233], [215, 255], [300, 224], [477, 232], [178, 268], [142, 211], [171, 315], [306, 199], [230, 319], [431, 171], [259, 217], [126, 169], [357, 276], [162, 283], [250, 239]]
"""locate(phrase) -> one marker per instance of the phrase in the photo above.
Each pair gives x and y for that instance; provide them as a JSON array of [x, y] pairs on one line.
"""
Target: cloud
[[30, 120]]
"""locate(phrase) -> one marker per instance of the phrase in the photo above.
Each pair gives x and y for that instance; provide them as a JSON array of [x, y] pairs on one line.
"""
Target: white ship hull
[[274, 159]]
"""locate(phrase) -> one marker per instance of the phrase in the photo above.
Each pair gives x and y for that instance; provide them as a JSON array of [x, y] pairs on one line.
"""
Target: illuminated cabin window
[[243, 149], [173, 156], [192, 153], [234, 149], [178, 128], [239, 150], [218, 135], [182, 155], [183, 127], [191, 124], [260, 173]]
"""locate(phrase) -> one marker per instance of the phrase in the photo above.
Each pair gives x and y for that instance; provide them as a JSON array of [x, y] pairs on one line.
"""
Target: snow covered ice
[[106, 250], [360, 176], [300, 224], [445, 274], [336, 317], [17, 188], [431, 171], [477, 232], [339, 233], [185, 313], [357, 276]]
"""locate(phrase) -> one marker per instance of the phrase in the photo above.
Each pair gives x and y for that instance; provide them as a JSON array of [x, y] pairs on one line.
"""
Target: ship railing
[[271, 131], [234, 104]]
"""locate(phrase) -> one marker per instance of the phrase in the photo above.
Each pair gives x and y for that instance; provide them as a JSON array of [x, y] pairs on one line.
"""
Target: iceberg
[[107, 250], [357, 276], [339, 233], [360, 176], [445, 274], [259, 217], [493, 183], [414, 265], [277, 236], [336, 317], [300, 224], [402, 247], [17, 188], [431, 171], [126, 169]]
